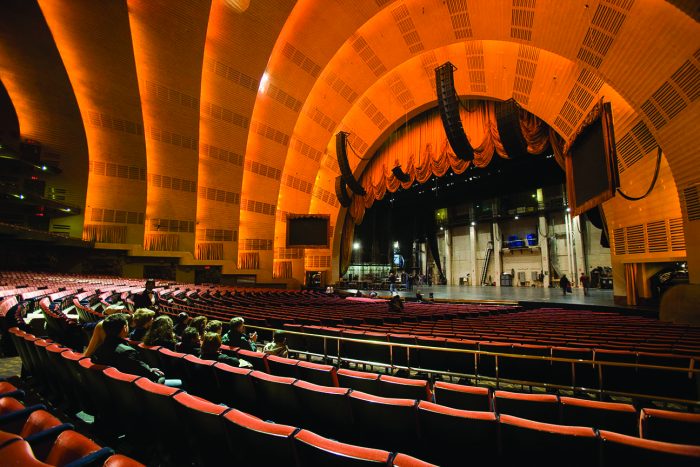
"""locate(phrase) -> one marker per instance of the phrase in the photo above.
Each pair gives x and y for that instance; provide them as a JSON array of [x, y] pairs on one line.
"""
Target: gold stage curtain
[[422, 150], [161, 242], [249, 260], [209, 250], [104, 233], [282, 270], [631, 283]]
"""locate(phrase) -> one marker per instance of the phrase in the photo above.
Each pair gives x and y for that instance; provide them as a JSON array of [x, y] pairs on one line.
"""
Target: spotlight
[[473, 223], [517, 217], [356, 246], [568, 209]]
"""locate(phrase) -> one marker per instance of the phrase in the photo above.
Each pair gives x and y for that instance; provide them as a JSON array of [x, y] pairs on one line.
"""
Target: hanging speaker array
[[448, 102], [508, 122], [341, 141], [341, 192]]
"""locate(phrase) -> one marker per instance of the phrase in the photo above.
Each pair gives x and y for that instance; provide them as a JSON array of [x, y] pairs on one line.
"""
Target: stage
[[598, 299]]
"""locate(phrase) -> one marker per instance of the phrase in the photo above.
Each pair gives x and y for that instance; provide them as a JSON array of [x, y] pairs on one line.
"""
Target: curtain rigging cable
[[653, 181]]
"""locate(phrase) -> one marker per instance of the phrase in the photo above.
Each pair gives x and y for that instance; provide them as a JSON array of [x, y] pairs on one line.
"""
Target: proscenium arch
[[559, 28], [623, 113]]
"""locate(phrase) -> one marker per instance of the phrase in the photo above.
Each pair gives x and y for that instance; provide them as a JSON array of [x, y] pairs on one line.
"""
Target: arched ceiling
[[275, 80]]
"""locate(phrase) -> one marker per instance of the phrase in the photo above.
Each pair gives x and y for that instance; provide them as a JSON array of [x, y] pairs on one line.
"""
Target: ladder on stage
[[489, 251]]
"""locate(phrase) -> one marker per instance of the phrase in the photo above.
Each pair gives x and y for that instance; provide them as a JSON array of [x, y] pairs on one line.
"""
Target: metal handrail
[[482, 352]]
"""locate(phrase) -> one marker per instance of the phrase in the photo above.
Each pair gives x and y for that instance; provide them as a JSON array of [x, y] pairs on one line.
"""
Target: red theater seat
[[672, 427], [71, 446], [257, 359], [277, 399], [316, 450], [19, 454], [403, 460], [325, 375], [236, 387], [119, 460], [392, 386], [385, 422], [359, 380], [280, 366], [621, 418], [538, 407], [451, 435], [524, 442], [463, 397], [262, 440], [204, 423], [161, 418], [617, 449], [326, 409]]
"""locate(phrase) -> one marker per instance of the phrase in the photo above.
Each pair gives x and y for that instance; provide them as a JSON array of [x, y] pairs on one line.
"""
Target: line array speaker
[[508, 121], [341, 193], [341, 139], [448, 102]]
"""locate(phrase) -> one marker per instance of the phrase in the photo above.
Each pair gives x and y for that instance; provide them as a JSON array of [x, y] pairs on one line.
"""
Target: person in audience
[[278, 346], [161, 333], [395, 304], [190, 342], [141, 322], [98, 334], [181, 322], [211, 345], [214, 326], [199, 323], [236, 336], [114, 351]]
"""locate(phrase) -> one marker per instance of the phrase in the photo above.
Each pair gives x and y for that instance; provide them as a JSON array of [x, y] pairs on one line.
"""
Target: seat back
[[680, 384], [621, 418], [672, 427], [199, 377], [274, 440], [170, 363], [572, 374], [150, 354], [162, 417], [280, 366], [316, 373], [538, 407], [257, 359], [449, 436], [205, 425], [71, 446], [325, 409], [126, 397], [277, 399], [100, 399], [463, 397], [392, 386], [359, 381], [313, 449], [617, 449], [236, 387], [38, 421], [119, 460], [528, 442], [385, 422]]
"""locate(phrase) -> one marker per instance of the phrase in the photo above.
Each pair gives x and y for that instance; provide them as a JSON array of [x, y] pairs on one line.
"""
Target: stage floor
[[602, 298]]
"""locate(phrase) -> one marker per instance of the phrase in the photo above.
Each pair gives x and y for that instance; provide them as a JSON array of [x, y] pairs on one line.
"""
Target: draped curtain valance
[[422, 150]]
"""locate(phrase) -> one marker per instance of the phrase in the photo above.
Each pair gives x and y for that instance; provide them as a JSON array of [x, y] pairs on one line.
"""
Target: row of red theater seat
[[133, 405], [379, 424], [623, 418], [31, 436]]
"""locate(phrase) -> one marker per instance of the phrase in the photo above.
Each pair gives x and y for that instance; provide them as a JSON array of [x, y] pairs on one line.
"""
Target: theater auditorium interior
[[349, 232]]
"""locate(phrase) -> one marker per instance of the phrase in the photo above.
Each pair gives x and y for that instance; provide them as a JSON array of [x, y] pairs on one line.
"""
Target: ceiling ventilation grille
[[255, 244], [231, 74], [108, 122], [317, 262], [263, 170], [218, 112], [298, 184], [401, 91], [619, 241], [657, 236], [217, 235], [171, 183], [301, 60], [116, 216], [323, 120], [429, 62], [259, 207], [407, 28], [459, 16], [163, 93], [171, 225], [368, 56], [325, 196], [634, 145], [168, 137], [580, 98], [270, 133], [341, 87], [521, 19], [306, 150], [691, 198], [221, 154], [606, 23], [677, 234], [283, 98], [475, 65], [289, 253], [221, 196], [653, 237], [525, 70], [634, 237], [373, 113], [675, 94], [109, 169]]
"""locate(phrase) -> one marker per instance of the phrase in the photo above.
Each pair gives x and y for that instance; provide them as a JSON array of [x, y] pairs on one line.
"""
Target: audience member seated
[[395, 304], [141, 320], [190, 342], [210, 351], [98, 334], [199, 323], [161, 333], [182, 321], [236, 336], [114, 351], [214, 326], [278, 346]]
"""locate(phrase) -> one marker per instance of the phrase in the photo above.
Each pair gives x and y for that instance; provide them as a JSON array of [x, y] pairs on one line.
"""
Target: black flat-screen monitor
[[591, 170], [308, 231]]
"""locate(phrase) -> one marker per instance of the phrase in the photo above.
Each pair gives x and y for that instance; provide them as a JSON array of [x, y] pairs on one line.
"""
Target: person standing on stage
[[392, 280], [584, 280], [565, 284]]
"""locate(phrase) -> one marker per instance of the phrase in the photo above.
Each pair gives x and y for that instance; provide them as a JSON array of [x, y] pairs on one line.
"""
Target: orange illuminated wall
[[168, 49], [94, 41]]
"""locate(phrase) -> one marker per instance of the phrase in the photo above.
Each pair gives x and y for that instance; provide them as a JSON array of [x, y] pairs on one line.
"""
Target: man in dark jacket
[[114, 351], [236, 336]]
